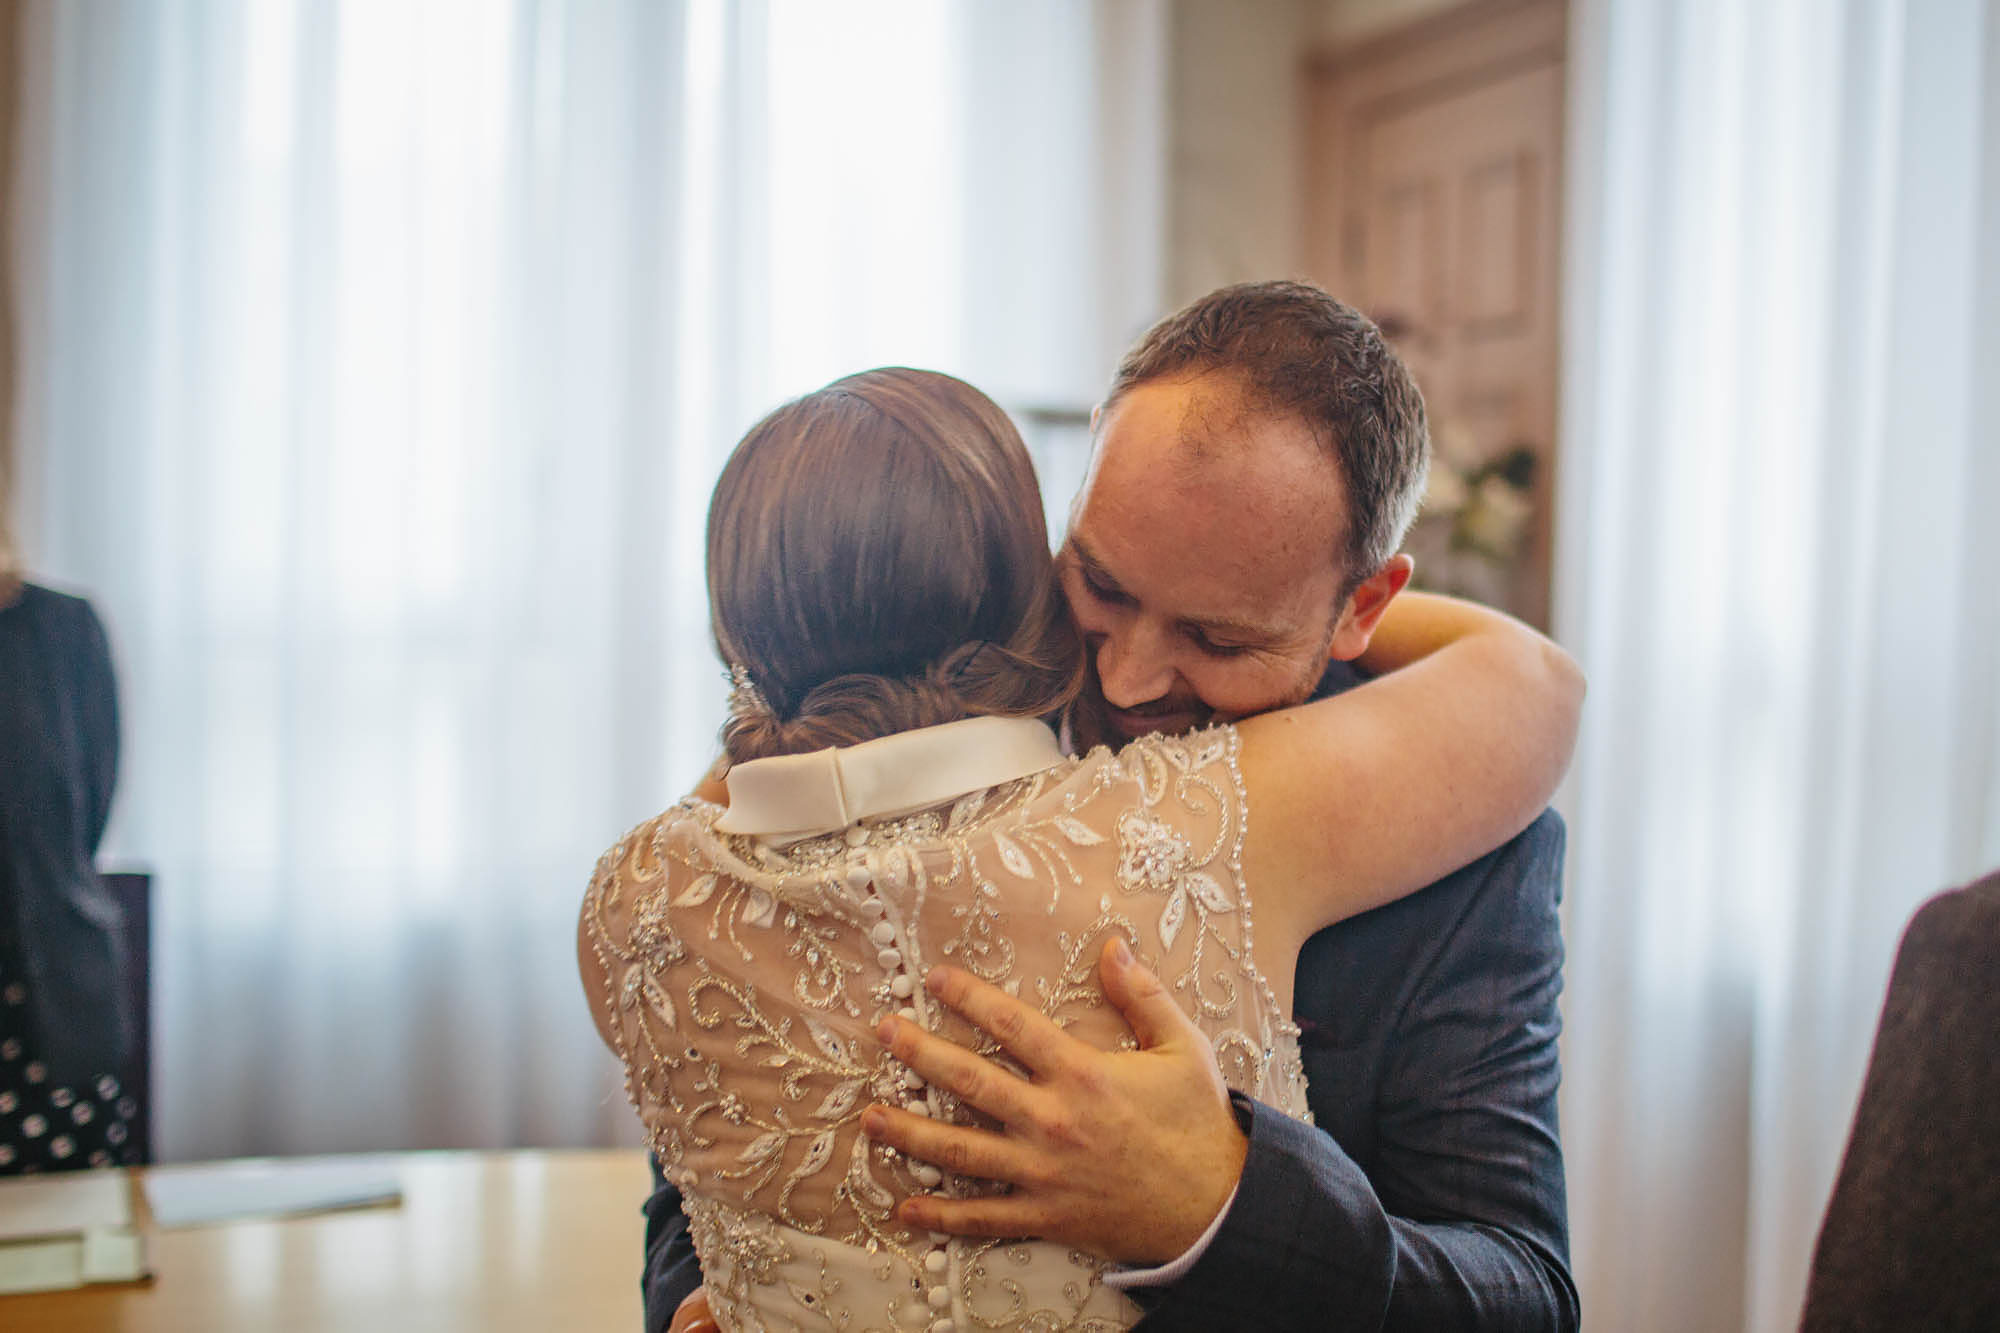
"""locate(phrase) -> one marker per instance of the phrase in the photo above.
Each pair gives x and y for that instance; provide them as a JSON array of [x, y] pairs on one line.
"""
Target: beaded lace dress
[[744, 972]]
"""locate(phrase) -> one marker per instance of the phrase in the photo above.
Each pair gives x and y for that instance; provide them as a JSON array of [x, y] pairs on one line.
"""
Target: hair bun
[[845, 711]]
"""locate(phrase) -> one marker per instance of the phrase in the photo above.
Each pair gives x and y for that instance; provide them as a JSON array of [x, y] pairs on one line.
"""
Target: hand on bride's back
[[1126, 1154]]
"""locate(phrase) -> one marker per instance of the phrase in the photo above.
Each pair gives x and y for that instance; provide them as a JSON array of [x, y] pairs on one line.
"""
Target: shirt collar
[[804, 795]]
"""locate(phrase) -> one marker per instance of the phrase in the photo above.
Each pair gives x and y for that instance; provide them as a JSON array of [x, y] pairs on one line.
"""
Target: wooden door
[[1434, 165]]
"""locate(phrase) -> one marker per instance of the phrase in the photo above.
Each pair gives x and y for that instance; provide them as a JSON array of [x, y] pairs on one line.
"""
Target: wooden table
[[549, 1241]]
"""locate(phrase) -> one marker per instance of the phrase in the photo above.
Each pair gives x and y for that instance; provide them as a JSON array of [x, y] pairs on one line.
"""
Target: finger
[[980, 1083], [1004, 1215], [1027, 1035], [694, 1316], [1137, 994], [959, 1149]]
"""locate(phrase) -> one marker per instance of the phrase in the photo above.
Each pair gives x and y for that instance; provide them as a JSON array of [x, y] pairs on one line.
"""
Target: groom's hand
[[1127, 1154], [694, 1316]]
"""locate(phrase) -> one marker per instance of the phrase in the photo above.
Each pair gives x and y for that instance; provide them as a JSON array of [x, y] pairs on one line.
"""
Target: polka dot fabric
[[52, 1127]]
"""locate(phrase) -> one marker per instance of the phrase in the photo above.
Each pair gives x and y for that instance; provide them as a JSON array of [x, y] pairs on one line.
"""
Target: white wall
[[1234, 153]]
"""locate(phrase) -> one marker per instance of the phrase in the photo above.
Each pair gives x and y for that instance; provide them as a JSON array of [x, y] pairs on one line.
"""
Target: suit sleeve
[[1460, 1222], [672, 1270]]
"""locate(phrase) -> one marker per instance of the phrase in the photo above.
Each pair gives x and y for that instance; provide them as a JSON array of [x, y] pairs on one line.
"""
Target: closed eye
[[1104, 592], [1217, 648]]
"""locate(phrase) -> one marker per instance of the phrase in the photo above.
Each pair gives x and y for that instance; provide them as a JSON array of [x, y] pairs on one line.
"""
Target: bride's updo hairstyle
[[878, 561]]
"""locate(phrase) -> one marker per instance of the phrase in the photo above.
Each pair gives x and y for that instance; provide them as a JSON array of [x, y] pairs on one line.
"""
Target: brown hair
[[1297, 351], [878, 560]]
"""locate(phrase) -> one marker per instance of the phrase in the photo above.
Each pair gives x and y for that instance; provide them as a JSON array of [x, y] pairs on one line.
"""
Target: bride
[[881, 586]]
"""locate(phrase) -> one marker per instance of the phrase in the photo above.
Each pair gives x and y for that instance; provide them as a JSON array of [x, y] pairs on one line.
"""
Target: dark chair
[[134, 891], [1911, 1238]]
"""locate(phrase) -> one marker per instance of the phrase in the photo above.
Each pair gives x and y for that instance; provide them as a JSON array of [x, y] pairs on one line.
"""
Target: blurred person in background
[[65, 1036]]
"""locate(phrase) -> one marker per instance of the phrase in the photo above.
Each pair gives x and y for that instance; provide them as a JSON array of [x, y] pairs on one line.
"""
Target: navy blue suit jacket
[[1430, 1195]]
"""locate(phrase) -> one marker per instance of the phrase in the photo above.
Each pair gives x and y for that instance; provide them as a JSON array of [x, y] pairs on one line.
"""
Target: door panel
[[1433, 204]]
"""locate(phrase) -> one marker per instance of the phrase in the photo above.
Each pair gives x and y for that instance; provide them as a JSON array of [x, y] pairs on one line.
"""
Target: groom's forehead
[[1192, 418], [1215, 426], [1205, 461]]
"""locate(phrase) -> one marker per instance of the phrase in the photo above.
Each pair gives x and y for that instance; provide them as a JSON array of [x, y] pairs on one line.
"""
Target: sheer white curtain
[[377, 358], [1782, 463]]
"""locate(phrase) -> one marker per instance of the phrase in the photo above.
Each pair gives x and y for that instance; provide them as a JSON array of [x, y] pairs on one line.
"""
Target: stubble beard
[[1089, 720]]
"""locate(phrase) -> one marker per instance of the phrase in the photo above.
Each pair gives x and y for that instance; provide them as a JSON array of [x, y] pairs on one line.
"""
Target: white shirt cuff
[[1122, 1278]]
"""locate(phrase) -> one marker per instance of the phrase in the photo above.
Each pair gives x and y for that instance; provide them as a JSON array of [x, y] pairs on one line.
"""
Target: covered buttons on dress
[[866, 876]]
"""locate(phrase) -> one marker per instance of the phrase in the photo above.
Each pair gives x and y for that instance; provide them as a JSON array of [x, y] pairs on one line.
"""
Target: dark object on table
[[1912, 1235]]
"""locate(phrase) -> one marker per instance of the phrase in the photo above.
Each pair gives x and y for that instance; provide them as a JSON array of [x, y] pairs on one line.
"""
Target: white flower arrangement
[[1473, 526]]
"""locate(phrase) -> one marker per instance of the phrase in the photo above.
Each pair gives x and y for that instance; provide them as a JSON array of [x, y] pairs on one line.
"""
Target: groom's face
[[1200, 561]]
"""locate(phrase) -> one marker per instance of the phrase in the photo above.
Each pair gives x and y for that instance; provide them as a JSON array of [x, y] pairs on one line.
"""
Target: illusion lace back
[[744, 977]]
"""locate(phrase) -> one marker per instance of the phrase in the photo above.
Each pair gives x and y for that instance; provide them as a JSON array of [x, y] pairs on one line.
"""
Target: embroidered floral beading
[[741, 979]]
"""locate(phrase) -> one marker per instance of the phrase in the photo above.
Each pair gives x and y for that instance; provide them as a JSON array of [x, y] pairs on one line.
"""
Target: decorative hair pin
[[744, 696]]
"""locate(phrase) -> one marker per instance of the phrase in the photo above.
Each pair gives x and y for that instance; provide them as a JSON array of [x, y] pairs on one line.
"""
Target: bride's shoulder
[[1211, 747], [646, 848], [1196, 771]]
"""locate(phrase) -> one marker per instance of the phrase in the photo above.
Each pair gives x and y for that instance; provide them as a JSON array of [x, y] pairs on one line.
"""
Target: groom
[[1430, 1195]]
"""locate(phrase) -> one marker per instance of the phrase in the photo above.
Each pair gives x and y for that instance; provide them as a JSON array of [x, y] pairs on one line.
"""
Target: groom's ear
[[1365, 606]]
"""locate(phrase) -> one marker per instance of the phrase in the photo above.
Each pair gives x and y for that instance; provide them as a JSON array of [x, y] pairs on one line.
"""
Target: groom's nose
[[1133, 666]]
